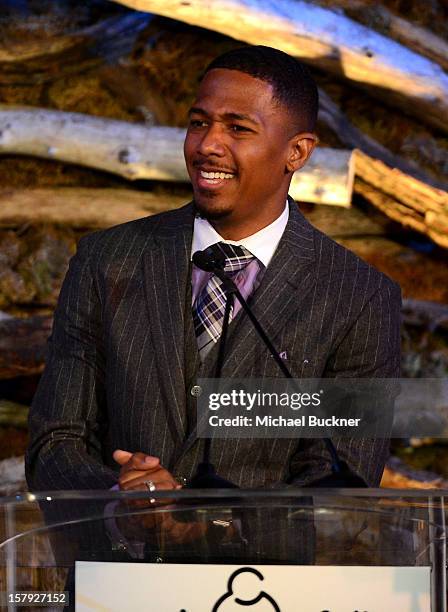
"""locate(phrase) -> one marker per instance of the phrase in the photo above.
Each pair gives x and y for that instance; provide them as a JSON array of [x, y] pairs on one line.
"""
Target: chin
[[212, 211]]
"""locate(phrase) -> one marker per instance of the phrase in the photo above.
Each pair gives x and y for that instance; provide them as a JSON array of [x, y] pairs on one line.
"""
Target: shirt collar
[[262, 244]]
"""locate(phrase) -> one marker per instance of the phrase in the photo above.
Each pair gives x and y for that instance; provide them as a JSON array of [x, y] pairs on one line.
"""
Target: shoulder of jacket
[[336, 258], [122, 238]]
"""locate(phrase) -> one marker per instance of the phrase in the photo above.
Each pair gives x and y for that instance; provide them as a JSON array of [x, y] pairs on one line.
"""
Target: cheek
[[266, 157], [188, 147], [266, 167]]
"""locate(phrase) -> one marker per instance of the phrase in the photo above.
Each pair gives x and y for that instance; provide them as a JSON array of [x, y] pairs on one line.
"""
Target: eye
[[197, 123], [239, 128]]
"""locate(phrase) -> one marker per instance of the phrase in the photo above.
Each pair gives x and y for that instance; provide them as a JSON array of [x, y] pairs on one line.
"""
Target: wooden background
[[130, 73]]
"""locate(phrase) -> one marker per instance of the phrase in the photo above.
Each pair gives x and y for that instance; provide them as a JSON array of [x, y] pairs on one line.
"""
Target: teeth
[[216, 175]]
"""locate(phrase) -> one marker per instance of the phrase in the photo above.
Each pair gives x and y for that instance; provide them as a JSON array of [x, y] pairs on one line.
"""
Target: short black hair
[[291, 81]]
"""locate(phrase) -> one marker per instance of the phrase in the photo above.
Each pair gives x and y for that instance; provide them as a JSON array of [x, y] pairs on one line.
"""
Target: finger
[[137, 460], [130, 475], [156, 476], [141, 461], [140, 484], [121, 456]]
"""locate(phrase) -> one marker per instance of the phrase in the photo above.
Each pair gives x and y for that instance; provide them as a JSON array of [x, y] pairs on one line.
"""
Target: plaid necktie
[[209, 307]]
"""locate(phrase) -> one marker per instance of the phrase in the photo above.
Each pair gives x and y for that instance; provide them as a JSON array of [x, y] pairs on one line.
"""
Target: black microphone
[[209, 260]]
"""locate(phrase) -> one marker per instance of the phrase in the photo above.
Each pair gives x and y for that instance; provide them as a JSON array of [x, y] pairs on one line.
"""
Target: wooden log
[[31, 60], [419, 39], [80, 208], [414, 37], [131, 150], [327, 178], [326, 39], [403, 198], [349, 135], [137, 151], [22, 346]]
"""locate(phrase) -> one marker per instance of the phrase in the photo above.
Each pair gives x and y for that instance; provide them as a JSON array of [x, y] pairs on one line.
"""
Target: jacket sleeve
[[369, 349], [69, 408]]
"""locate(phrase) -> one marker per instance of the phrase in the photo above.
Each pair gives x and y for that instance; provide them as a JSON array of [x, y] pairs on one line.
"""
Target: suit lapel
[[166, 273]]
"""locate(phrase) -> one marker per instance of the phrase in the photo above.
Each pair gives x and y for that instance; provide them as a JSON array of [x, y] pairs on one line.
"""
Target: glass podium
[[310, 550]]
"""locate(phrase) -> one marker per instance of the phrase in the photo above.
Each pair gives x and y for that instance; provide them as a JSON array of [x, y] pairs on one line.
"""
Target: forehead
[[230, 91]]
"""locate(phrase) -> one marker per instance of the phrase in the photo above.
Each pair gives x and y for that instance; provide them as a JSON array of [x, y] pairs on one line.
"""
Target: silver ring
[[151, 486]]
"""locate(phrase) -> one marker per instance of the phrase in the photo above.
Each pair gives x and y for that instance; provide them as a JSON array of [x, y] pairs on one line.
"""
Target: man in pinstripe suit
[[118, 388]]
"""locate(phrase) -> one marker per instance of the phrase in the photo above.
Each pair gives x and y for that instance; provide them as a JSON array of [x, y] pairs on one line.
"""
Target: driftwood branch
[[326, 39], [137, 151], [403, 198]]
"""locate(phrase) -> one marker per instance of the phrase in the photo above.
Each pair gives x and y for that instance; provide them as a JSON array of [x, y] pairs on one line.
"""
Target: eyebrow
[[229, 116]]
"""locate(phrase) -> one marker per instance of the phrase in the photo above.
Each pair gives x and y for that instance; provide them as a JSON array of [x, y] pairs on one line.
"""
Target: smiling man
[[137, 323]]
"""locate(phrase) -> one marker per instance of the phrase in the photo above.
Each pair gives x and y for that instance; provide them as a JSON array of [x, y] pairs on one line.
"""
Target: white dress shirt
[[262, 244]]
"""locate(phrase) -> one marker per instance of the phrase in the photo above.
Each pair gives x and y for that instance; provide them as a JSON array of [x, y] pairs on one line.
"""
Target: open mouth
[[213, 180]]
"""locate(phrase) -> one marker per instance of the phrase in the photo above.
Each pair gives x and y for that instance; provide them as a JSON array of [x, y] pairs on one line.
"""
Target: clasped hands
[[136, 470]]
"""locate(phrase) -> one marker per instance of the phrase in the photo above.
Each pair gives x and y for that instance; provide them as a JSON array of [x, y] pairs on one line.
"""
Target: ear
[[301, 147]]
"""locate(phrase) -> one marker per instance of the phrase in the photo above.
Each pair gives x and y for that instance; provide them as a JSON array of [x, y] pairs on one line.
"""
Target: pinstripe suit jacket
[[116, 370]]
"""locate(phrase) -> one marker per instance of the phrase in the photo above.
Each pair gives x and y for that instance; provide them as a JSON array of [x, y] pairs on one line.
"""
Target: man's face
[[237, 150]]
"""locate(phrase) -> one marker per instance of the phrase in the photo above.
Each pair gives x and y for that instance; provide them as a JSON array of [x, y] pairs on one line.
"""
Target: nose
[[212, 141]]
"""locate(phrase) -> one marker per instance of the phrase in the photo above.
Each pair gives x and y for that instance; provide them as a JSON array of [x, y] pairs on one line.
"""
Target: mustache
[[207, 167]]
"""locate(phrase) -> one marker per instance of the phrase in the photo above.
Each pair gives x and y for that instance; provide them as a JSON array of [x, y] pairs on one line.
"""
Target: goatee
[[210, 214]]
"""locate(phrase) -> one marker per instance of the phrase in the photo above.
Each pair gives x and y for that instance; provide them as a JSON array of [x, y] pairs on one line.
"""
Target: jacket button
[[196, 390]]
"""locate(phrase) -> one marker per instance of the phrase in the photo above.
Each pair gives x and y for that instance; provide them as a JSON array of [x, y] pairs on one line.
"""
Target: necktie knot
[[237, 256]]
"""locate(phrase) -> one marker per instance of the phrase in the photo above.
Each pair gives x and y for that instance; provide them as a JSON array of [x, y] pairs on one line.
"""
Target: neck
[[229, 229]]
